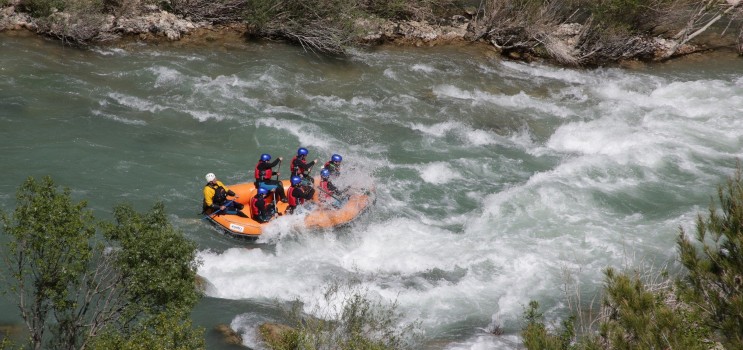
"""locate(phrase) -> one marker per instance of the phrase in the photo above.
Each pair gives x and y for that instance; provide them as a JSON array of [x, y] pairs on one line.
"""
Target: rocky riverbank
[[560, 43]]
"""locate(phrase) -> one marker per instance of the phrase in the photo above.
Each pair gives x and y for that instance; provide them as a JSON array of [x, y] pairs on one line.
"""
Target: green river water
[[493, 178]]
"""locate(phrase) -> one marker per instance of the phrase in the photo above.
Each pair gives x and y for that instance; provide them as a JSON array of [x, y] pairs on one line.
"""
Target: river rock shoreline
[[156, 25]]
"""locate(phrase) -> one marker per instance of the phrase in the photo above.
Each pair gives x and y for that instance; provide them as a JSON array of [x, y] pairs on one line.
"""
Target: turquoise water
[[494, 179]]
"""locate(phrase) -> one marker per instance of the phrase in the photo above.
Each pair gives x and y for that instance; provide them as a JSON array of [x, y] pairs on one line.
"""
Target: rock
[[229, 335]]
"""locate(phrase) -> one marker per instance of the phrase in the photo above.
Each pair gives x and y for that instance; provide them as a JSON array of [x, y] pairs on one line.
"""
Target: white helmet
[[210, 177]]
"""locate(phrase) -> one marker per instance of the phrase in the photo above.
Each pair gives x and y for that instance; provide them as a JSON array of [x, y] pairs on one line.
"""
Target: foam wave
[[520, 101], [136, 103], [166, 76], [470, 135], [119, 119], [438, 173], [422, 68], [307, 134]]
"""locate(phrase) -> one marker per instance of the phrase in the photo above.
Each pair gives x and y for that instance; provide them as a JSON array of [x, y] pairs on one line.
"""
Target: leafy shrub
[[715, 274], [138, 282], [536, 335], [317, 25], [41, 8], [220, 11], [634, 16], [352, 319], [704, 305]]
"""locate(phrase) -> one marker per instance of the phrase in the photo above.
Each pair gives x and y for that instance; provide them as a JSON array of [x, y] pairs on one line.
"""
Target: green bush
[[136, 283], [704, 307], [633, 16], [715, 263], [41, 8], [358, 323], [536, 335]]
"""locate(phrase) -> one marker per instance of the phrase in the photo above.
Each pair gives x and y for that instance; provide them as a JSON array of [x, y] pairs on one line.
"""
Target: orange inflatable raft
[[337, 211]]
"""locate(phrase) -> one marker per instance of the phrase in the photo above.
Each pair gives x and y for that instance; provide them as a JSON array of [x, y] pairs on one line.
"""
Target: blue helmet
[[325, 173], [295, 180], [302, 151], [265, 157], [262, 191], [336, 158]]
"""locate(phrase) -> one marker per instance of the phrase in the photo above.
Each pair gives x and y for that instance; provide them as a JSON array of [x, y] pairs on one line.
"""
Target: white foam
[[418, 67], [487, 231], [137, 103], [119, 119], [110, 51], [389, 73], [307, 134], [536, 70], [520, 101], [438, 173], [166, 76]]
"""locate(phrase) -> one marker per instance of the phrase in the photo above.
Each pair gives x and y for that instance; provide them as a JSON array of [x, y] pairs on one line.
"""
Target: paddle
[[218, 210], [277, 172], [308, 177], [330, 194]]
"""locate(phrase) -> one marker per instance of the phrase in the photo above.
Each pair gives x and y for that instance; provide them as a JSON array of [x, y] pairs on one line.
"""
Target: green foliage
[[318, 25], [715, 275], [705, 306], [166, 331], [639, 318], [360, 323], [405, 9], [632, 16], [73, 286], [41, 8], [48, 251], [635, 317], [286, 339], [158, 263], [536, 335]]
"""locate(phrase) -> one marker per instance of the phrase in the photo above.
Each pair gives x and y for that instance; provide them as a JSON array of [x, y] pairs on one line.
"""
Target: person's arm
[[311, 164], [229, 191], [305, 166], [306, 195], [332, 187], [275, 162]]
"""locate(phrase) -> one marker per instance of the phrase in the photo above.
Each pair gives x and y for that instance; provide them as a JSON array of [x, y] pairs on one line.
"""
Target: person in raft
[[327, 189], [334, 165], [299, 166], [263, 174], [261, 210], [215, 198], [298, 194]]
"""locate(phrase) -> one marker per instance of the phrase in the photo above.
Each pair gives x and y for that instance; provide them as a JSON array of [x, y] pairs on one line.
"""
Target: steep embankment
[[563, 42]]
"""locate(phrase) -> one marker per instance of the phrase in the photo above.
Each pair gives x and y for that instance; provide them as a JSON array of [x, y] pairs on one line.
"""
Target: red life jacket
[[295, 169], [254, 208], [266, 173], [291, 200]]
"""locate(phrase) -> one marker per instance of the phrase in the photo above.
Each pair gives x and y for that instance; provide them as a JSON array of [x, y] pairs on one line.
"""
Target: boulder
[[229, 335]]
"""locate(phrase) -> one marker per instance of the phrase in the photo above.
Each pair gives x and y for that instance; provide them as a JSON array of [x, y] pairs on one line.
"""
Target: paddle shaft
[[278, 171], [220, 209], [329, 194]]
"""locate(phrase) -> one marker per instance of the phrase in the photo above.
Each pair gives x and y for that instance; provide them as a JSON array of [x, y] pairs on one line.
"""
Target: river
[[494, 179]]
